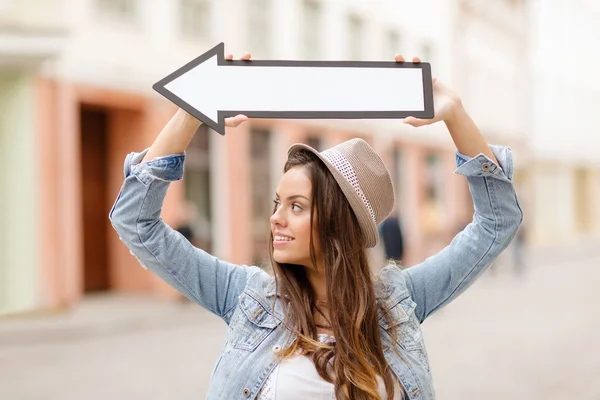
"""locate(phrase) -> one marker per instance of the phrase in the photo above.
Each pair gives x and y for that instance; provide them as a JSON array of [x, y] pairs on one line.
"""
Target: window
[[122, 9], [433, 180], [392, 44], [195, 16], [311, 26], [262, 193], [432, 209], [426, 52], [197, 188], [314, 142], [355, 37], [258, 27]]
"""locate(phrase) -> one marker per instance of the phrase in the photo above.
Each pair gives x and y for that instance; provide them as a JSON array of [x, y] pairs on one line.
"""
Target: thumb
[[240, 118], [415, 121], [235, 121]]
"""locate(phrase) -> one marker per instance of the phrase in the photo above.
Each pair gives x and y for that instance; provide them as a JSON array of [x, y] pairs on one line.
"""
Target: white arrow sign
[[211, 88]]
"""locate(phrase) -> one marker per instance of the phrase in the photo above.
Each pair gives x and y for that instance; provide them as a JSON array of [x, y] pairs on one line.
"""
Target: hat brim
[[368, 226]]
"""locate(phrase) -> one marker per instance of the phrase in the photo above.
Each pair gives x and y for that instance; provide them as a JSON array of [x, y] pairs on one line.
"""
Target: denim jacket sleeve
[[135, 215], [444, 276]]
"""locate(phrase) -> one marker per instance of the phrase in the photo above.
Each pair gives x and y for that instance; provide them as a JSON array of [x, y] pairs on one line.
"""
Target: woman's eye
[[295, 207]]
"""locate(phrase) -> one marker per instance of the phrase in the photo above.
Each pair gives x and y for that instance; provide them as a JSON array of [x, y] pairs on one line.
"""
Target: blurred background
[[82, 320]]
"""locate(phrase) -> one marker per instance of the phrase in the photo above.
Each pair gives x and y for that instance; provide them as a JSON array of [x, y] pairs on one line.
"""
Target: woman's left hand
[[445, 101]]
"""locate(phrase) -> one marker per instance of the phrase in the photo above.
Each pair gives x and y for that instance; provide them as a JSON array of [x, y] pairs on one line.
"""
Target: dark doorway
[[94, 125]]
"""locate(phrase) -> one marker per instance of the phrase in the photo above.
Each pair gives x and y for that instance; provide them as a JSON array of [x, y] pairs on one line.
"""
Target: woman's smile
[[279, 239], [281, 242]]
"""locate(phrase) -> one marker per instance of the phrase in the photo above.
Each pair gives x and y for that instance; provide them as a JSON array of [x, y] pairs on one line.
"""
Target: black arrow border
[[219, 126]]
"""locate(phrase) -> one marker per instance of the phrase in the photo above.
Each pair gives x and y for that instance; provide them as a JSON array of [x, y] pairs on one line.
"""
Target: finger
[[235, 121], [246, 56], [239, 119], [416, 60], [229, 57], [399, 58], [414, 121]]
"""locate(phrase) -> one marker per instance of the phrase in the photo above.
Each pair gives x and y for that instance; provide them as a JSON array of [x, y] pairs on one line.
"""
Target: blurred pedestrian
[[186, 230], [186, 220], [390, 231], [322, 326]]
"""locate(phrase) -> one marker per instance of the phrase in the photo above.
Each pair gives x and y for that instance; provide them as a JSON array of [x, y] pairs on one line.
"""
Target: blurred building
[[30, 34], [76, 87], [563, 173]]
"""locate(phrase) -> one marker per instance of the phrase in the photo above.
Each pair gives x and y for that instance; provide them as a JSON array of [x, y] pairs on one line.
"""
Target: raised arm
[[442, 277], [136, 217]]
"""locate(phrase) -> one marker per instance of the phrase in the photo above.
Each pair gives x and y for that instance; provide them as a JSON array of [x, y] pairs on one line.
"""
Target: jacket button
[[486, 166], [246, 392]]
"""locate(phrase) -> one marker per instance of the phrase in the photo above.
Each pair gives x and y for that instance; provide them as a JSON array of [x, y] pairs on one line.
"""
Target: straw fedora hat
[[364, 180]]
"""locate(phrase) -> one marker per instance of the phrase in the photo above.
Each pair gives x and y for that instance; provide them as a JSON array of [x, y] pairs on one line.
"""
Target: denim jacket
[[243, 296]]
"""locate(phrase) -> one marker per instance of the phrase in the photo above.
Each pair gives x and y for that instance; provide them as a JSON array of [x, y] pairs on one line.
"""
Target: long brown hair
[[351, 295]]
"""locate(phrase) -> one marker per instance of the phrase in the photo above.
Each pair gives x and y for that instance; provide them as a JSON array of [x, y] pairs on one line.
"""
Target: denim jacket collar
[[382, 292]]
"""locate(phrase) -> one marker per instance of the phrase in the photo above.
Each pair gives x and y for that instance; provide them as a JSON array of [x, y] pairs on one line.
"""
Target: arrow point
[[178, 87]]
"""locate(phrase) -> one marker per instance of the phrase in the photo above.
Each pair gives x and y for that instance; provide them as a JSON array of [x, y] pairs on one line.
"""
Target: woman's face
[[290, 223]]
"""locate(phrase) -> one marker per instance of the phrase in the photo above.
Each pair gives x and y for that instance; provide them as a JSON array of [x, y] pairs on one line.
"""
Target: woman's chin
[[282, 258]]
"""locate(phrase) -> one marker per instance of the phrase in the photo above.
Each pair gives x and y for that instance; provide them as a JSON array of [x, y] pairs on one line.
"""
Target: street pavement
[[530, 336]]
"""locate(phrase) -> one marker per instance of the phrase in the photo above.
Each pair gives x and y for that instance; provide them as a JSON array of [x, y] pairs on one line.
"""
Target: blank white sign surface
[[212, 88]]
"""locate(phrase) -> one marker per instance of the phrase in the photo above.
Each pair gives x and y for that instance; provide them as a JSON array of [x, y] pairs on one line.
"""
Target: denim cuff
[[481, 165], [166, 168]]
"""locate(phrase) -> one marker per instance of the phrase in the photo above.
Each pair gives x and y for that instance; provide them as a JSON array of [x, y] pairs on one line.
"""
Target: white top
[[296, 378]]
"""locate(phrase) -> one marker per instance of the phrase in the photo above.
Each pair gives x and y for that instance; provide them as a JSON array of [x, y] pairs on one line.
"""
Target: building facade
[[27, 39], [565, 176], [86, 103]]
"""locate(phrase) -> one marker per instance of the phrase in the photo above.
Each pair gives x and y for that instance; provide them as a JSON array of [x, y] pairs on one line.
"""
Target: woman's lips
[[279, 243]]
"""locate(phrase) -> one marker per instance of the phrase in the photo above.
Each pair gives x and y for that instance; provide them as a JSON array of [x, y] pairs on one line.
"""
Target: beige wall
[[563, 203]]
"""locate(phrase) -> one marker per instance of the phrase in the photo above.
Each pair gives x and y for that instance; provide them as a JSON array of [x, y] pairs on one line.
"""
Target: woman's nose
[[277, 218]]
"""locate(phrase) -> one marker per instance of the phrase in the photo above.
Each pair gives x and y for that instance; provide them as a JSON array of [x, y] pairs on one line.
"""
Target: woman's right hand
[[238, 119]]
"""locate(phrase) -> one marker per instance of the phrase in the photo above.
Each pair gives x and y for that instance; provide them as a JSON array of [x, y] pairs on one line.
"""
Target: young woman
[[322, 326]]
